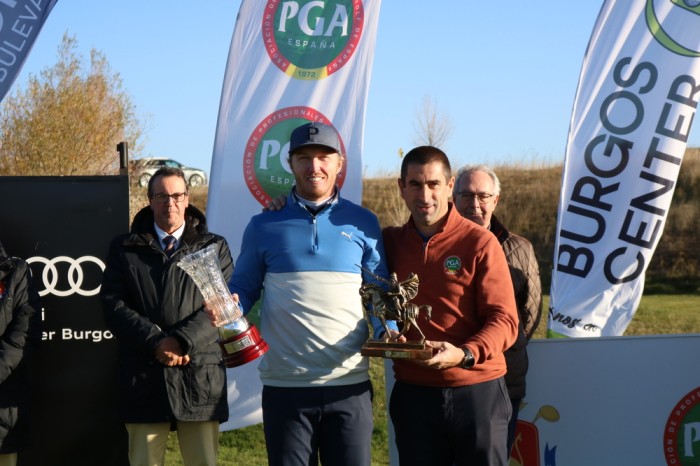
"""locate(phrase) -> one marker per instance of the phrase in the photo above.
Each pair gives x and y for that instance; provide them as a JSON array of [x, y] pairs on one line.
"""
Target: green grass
[[657, 314]]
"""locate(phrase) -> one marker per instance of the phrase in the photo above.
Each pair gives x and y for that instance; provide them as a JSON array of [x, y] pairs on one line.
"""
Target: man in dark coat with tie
[[171, 374]]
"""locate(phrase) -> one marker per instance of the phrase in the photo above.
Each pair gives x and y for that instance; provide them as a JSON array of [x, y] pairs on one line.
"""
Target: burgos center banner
[[637, 95]]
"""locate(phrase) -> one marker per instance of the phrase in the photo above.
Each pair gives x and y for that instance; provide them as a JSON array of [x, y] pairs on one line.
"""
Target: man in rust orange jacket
[[452, 409]]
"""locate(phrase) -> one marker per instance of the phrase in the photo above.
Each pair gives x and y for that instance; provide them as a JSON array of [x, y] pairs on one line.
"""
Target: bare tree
[[69, 120], [432, 126]]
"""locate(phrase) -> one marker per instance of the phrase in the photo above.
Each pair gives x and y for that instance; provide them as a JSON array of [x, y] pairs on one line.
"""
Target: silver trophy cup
[[239, 340]]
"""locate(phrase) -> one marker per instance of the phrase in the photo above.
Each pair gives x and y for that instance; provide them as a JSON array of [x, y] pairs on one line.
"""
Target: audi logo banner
[[75, 275], [62, 227]]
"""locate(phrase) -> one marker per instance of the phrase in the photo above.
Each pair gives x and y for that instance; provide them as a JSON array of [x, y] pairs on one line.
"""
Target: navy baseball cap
[[314, 134]]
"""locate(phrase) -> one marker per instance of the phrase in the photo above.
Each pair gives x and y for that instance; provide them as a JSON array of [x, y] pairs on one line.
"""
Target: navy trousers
[[331, 423], [458, 426]]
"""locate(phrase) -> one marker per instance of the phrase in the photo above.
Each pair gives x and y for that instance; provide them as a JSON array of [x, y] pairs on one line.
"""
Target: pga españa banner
[[290, 62], [20, 23], [637, 96]]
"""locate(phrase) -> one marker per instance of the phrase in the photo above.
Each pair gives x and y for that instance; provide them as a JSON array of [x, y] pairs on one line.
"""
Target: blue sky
[[504, 73]]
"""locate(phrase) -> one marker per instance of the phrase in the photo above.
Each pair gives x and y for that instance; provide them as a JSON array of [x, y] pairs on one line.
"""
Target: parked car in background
[[146, 167]]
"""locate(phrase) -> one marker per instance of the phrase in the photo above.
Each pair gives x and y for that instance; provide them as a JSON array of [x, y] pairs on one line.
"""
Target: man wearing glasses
[[476, 193], [171, 375]]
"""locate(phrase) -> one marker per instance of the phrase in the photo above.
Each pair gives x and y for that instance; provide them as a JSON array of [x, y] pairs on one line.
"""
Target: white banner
[[636, 99], [606, 406], [290, 62], [594, 401], [20, 23]]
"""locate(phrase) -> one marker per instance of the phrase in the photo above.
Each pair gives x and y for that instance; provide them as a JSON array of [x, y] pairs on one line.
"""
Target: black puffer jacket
[[20, 332], [146, 297], [525, 273]]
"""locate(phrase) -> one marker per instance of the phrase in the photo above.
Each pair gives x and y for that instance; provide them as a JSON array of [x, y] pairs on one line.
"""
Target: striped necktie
[[169, 245]]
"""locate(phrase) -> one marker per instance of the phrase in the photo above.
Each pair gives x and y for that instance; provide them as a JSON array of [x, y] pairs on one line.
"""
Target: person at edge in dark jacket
[[171, 374], [476, 194], [452, 409], [20, 333]]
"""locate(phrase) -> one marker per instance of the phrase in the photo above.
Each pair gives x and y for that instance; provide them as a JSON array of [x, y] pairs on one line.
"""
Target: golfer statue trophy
[[239, 340], [394, 303]]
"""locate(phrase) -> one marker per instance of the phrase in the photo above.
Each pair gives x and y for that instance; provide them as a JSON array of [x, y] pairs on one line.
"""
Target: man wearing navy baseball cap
[[317, 396]]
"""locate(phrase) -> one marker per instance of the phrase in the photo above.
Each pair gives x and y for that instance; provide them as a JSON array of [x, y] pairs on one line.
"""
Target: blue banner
[[20, 23]]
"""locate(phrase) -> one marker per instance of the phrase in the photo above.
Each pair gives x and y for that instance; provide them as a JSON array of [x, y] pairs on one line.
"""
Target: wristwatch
[[468, 361]]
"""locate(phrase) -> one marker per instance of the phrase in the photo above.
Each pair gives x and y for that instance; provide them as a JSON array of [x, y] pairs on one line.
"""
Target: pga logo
[[265, 160], [682, 432], [452, 265], [311, 40]]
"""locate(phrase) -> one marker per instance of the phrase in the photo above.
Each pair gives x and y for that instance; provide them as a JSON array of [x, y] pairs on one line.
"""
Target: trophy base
[[396, 350], [242, 348]]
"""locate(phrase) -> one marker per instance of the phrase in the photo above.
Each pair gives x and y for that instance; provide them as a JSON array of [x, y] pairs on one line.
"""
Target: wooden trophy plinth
[[395, 350]]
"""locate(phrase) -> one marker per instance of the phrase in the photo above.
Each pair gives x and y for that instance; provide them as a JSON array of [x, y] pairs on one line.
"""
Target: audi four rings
[[49, 275]]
